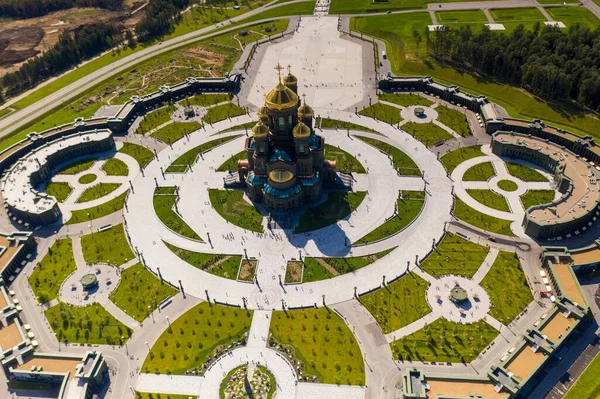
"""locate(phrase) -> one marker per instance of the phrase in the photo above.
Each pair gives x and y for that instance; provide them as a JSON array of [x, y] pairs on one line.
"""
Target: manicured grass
[[490, 198], [90, 324], [175, 131], [339, 265], [383, 112], [115, 167], [405, 100], [588, 384], [54, 268], [109, 246], [454, 119], [463, 16], [402, 162], [338, 206], [454, 255], [233, 208], [244, 126], [154, 119], [142, 155], [327, 123], [226, 266], [193, 337], [87, 178], [574, 15], [444, 341], [231, 163], [59, 190], [506, 280], [473, 217], [84, 215], [408, 210], [366, 6], [345, 161], [222, 112], [521, 14], [97, 191], [427, 133], [303, 8], [164, 207], [454, 158], [524, 173], [508, 185], [314, 270], [398, 304], [205, 100], [140, 292], [190, 156], [537, 197], [323, 342], [77, 167], [480, 172], [144, 395]]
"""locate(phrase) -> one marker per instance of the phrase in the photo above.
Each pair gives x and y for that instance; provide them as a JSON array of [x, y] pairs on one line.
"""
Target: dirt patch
[[248, 270], [205, 56], [293, 272], [17, 44]]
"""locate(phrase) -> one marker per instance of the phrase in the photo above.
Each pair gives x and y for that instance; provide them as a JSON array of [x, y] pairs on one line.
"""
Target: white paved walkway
[[170, 384], [328, 391], [259, 330]]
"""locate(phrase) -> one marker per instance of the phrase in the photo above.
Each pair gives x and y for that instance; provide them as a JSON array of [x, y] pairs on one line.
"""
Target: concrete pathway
[[487, 264], [259, 330], [412, 327], [169, 384]]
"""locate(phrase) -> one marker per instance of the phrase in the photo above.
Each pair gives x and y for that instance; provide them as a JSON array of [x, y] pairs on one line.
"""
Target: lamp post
[[147, 346]]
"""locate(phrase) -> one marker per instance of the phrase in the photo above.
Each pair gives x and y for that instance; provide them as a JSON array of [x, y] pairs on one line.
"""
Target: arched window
[[290, 120], [281, 123]]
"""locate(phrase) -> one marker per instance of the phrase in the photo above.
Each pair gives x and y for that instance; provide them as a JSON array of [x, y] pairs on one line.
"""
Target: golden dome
[[301, 131], [305, 110], [260, 130], [281, 175], [290, 79], [281, 98], [262, 112]]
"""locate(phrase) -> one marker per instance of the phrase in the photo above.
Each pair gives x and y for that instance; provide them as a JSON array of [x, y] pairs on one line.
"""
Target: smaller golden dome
[[260, 130], [305, 110], [290, 79], [281, 175], [263, 112], [301, 131]]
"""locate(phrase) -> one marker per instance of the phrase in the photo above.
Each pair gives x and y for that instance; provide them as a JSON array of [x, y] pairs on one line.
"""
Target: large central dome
[[281, 98]]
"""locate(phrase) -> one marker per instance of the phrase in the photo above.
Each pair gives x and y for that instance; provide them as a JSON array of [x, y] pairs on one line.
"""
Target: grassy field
[[537, 197], [454, 119], [194, 336], [164, 209], [490, 198], [323, 342], [398, 304], [226, 266], [87, 178], [231, 163], [54, 268], [473, 217], [524, 173], [338, 206], [315, 270], [142, 155], [190, 156], [175, 131], [574, 15], [327, 123], [345, 161], [507, 280], [454, 256], [222, 112], [109, 246], [90, 324], [405, 100], [508, 185], [140, 292], [444, 341], [233, 208], [588, 384], [480, 172], [84, 215], [97, 191], [303, 8], [154, 119], [59, 190], [366, 6], [115, 167], [513, 17], [77, 167], [402, 162], [427, 133], [205, 99], [454, 158], [408, 210], [460, 17], [382, 112]]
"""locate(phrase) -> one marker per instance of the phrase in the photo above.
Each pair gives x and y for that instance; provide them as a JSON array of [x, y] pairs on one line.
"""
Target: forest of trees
[[548, 62], [160, 19], [34, 8], [70, 50]]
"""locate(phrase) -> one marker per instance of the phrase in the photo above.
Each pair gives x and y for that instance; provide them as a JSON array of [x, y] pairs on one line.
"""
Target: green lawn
[[231, 163], [164, 209], [338, 206], [175, 131], [154, 119], [454, 158], [524, 173], [405, 100], [408, 210], [444, 341], [367, 6], [54, 268], [537, 197], [508, 185], [140, 292], [345, 161], [402, 162], [303, 8], [427, 133], [463, 16], [222, 112], [194, 336], [588, 384], [486, 222], [398, 304], [226, 266], [456, 256], [89, 324], [115, 167], [142, 155], [490, 198], [205, 99], [480, 172], [109, 246], [322, 342], [77, 167], [507, 280], [59, 190], [574, 15], [454, 119], [513, 17], [97, 191], [84, 215], [190, 156], [314, 270], [87, 178], [327, 123], [383, 112], [233, 208]]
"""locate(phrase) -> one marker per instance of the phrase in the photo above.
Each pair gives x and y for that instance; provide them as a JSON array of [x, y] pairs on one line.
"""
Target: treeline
[[34, 8], [548, 62], [160, 19], [70, 50]]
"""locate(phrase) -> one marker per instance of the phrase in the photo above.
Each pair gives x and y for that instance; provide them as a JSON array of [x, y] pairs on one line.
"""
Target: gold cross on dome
[[304, 97], [279, 69], [289, 69]]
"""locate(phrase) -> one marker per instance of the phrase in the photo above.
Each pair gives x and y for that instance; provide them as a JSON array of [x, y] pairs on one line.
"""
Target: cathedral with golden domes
[[286, 166]]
